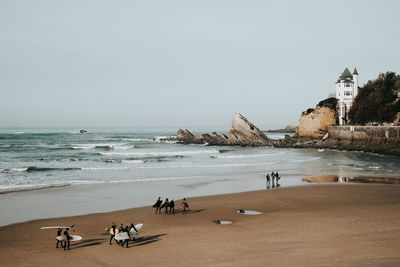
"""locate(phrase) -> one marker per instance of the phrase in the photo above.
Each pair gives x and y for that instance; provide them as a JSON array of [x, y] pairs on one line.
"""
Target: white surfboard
[[73, 238], [138, 227], [249, 212], [122, 236], [55, 227]]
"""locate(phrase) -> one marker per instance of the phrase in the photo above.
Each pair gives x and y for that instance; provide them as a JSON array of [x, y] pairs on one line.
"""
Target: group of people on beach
[[169, 206], [274, 178], [114, 230], [66, 242]]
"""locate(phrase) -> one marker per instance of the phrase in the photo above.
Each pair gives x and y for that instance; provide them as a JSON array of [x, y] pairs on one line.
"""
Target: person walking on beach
[[67, 239], [112, 232], [59, 232], [165, 205], [172, 207], [185, 205], [126, 240], [157, 205], [268, 178]]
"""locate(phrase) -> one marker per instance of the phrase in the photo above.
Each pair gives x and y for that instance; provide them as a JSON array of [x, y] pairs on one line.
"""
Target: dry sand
[[316, 225]]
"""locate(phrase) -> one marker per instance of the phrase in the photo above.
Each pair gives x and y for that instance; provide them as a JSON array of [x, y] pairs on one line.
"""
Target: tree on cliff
[[377, 101]]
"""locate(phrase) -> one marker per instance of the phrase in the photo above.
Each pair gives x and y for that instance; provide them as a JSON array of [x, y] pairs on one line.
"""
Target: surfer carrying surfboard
[[59, 231], [126, 240], [67, 239], [112, 232]]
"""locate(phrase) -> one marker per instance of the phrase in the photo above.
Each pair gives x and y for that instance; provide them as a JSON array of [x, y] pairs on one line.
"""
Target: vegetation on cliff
[[377, 101]]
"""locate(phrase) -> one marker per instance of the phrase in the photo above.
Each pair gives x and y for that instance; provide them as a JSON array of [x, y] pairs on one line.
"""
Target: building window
[[347, 92]]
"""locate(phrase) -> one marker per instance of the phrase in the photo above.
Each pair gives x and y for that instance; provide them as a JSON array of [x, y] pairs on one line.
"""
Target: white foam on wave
[[110, 146], [12, 170], [135, 161], [248, 156], [160, 153], [205, 165], [105, 168]]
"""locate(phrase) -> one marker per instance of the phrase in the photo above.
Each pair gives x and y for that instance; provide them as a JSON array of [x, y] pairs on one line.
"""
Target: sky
[[184, 63]]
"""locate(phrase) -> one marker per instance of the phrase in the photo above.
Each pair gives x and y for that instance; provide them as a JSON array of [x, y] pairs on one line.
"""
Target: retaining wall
[[365, 133]]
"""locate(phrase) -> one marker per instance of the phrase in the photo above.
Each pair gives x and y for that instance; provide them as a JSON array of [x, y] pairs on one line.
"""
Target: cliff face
[[315, 124], [242, 133]]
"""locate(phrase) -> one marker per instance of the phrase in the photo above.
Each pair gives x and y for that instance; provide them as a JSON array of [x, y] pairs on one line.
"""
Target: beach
[[315, 225]]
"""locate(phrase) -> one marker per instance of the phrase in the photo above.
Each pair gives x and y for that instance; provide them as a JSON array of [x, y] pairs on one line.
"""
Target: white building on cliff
[[346, 91]]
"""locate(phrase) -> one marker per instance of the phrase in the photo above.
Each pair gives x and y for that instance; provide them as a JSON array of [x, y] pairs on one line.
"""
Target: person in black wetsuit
[[165, 205], [112, 232], [172, 207], [68, 238], [157, 205], [126, 240], [59, 232]]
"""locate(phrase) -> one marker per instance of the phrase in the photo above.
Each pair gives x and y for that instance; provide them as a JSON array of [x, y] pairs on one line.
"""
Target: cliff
[[315, 124]]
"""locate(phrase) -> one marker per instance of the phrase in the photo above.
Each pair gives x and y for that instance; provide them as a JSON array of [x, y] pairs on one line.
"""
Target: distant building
[[346, 91]]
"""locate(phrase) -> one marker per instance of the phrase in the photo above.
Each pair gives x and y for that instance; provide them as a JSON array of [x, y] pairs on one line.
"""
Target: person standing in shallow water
[[59, 232]]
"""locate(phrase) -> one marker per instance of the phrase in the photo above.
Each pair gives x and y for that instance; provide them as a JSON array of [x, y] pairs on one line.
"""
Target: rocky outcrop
[[185, 136], [244, 132], [287, 129], [315, 123]]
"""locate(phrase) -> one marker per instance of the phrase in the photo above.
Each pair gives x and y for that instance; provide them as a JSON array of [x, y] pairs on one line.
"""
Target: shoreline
[[83, 199], [319, 224]]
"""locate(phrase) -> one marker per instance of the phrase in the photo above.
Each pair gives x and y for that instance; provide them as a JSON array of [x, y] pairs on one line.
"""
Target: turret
[[355, 80]]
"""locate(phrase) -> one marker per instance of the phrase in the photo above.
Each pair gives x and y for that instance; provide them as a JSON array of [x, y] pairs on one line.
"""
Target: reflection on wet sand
[[351, 179]]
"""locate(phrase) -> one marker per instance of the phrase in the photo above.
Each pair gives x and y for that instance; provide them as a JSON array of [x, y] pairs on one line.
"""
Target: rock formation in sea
[[242, 133]]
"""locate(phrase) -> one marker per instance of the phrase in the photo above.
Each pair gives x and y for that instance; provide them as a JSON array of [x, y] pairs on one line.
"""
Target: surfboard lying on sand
[[55, 227], [72, 238], [249, 212]]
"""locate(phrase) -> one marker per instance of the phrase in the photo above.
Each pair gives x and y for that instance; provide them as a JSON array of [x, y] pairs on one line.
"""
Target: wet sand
[[316, 225]]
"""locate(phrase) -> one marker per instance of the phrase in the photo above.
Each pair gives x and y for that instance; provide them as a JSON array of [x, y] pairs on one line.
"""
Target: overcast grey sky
[[184, 63]]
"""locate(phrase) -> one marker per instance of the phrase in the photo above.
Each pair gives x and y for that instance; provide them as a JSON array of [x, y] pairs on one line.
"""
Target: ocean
[[40, 158], [60, 172]]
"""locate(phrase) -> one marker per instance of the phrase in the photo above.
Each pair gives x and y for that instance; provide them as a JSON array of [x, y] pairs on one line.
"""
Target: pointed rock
[[244, 133]]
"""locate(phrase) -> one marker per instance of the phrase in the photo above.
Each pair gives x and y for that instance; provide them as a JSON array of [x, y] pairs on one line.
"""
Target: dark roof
[[355, 72], [346, 74]]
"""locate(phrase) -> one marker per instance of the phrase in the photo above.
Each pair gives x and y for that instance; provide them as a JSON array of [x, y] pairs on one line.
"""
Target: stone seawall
[[365, 133]]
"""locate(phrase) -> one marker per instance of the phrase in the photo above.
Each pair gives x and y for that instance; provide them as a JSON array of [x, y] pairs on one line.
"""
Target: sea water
[[38, 158], [61, 172]]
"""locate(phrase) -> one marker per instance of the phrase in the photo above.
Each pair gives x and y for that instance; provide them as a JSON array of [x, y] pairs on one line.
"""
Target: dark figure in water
[[112, 232], [268, 178], [165, 205], [59, 232], [126, 240], [157, 205], [172, 207], [67, 239]]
